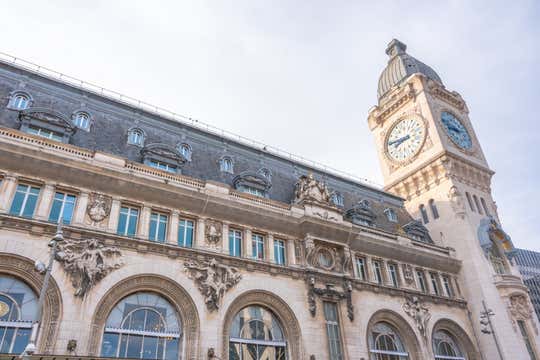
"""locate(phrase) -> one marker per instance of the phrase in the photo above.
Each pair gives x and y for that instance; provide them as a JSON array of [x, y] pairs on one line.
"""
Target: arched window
[[477, 204], [256, 334], [136, 137], [433, 208], [385, 343], [469, 200], [18, 309], [484, 206], [144, 326], [81, 120], [185, 150], [20, 101], [337, 199], [226, 164], [445, 346], [423, 213], [391, 215]]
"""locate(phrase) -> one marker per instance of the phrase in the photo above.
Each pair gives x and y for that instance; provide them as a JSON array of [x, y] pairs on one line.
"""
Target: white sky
[[301, 75]]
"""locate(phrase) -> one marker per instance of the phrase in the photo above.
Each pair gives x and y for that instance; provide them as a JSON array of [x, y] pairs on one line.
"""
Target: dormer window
[[46, 123], [163, 157], [48, 134], [226, 165], [20, 101], [185, 150], [337, 199], [81, 120], [391, 215], [163, 166], [361, 214], [136, 137], [252, 183]]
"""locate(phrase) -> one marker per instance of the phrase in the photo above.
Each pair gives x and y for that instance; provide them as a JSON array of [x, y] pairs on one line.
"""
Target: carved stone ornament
[[213, 280], [212, 231], [87, 261], [408, 273], [519, 309], [99, 207], [330, 293], [308, 189], [419, 313], [457, 202]]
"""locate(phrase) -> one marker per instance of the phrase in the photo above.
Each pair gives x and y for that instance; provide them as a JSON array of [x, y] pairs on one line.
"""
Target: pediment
[[252, 179], [48, 116], [163, 151]]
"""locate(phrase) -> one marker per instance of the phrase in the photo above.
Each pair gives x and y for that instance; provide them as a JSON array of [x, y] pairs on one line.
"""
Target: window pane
[[17, 203], [132, 225], [149, 347], [109, 345], [134, 345], [21, 340], [56, 208]]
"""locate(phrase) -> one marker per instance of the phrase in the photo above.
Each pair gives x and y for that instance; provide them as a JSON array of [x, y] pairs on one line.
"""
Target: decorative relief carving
[[213, 280], [519, 309], [408, 273], [326, 257], [347, 260], [99, 207], [87, 262], [329, 292], [307, 189], [326, 216], [213, 231], [419, 313], [457, 202]]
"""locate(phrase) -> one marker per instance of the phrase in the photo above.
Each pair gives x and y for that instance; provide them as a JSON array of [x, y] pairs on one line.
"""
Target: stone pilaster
[[199, 240], [45, 201], [114, 215], [270, 256], [80, 208], [7, 191], [246, 245], [144, 223], [290, 252], [172, 235], [225, 238]]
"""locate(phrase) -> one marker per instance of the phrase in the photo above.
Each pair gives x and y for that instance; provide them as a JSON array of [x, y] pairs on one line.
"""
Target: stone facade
[[228, 227]]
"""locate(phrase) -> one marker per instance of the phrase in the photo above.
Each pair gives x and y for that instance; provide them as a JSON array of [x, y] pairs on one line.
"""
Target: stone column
[[270, 257], [290, 253], [246, 246], [172, 236], [354, 267], [144, 223], [199, 240], [7, 191], [401, 276], [45, 201], [370, 273], [114, 215], [225, 238], [80, 208]]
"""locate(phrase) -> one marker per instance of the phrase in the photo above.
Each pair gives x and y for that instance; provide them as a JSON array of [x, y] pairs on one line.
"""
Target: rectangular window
[[332, 330], [162, 166], [257, 246], [526, 340], [127, 222], [48, 134], [279, 252], [158, 227], [421, 281], [185, 232], [62, 207], [434, 283], [377, 271], [361, 268], [251, 190], [447, 286], [392, 271], [235, 243], [24, 201]]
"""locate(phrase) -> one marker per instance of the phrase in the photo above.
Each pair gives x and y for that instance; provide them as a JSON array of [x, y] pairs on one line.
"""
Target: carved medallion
[[4, 308], [419, 313], [99, 207], [213, 280], [213, 231], [87, 262]]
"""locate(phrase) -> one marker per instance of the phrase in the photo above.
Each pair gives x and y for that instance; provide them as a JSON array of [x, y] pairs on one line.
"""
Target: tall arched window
[[81, 120], [256, 334], [433, 208], [143, 326], [385, 343], [469, 200], [477, 204], [185, 150], [18, 309], [226, 164], [445, 346], [484, 206], [423, 213]]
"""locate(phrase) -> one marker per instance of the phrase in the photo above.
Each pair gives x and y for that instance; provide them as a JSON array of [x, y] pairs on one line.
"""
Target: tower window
[[433, 208], [423, 213], [477, 204], [136, 137], [469, 200], [226, 165], [81, 120], [20, 101], [391, 215], [484, 206]]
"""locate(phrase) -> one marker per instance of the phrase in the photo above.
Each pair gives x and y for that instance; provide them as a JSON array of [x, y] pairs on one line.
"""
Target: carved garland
[[329, 292]]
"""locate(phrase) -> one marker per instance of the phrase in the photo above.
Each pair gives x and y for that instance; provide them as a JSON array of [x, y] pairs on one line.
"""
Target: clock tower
[[430, 156]]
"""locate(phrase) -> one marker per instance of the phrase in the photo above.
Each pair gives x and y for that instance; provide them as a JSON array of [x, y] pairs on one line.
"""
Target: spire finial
[[395, 47]]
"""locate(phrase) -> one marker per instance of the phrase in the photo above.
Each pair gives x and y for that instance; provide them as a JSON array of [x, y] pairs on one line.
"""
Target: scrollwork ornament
[[213, 280], [87, 262]]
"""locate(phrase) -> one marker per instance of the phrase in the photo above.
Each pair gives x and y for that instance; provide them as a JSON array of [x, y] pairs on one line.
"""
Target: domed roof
[[400, 66]]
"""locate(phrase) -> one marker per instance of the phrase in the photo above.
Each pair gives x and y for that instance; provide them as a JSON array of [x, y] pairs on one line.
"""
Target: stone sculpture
[[419, 313]]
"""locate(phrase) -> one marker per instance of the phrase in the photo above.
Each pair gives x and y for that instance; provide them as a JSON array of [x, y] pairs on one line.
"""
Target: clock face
[[456, 131], [405, 139]]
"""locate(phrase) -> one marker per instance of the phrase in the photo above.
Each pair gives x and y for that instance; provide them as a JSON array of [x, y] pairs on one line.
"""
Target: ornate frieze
[[99, 207], [419, 313], [87, 262], [213, 231], [213, 280], [329, 292]]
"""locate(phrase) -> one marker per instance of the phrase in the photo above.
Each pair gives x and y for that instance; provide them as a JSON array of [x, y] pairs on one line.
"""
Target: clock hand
[[399, 141]]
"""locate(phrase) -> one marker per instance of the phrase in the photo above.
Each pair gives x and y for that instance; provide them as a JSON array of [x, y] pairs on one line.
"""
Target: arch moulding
[[170, 290], [280, 308], [460, 335], [23, 269]]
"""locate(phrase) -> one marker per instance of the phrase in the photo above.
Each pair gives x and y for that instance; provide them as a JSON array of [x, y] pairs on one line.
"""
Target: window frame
[[159, 216], [377, 271], [280, 255], [141, 136], [421, 281], [361, 271], [236, 236], [433, 208], [63, 202], [447, 286], [477, 203], [423, 213], [469, 200], [393, 275], [434, 278], [26, 193], [162, 165], [185, 150], [258, 242], [229, 168], [76, 117], [484, 205], [186, 227], [129, 217], [334, 338], [391, 215], [12, 104]]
